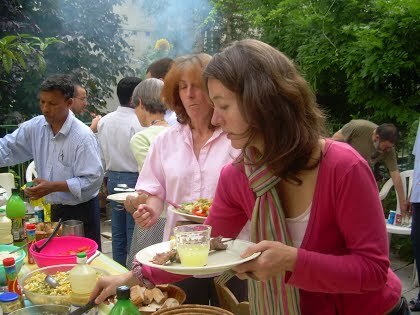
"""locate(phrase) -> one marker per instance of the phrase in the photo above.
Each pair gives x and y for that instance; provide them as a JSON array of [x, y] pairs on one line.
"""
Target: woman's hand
[[131, 203], [275, 258], [106, 286], [145, 216]]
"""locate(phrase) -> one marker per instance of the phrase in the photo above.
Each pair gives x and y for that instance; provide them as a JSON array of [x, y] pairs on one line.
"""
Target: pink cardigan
[[343, 265]]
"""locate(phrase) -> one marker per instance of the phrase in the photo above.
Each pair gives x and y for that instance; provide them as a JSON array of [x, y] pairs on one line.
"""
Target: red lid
[[30, 226], [9, 261]]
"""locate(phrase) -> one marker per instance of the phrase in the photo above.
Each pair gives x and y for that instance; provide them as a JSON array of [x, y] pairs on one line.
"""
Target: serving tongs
[[54, 232]]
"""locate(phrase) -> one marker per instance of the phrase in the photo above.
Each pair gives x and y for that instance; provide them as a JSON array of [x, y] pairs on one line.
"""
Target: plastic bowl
[[20, 256], [62, 250], [43, 310], [39, 298]]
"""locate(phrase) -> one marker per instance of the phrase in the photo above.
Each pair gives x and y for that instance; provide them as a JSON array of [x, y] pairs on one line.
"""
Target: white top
[[415, 194], [297, 227], [170, 117], [114, 133]]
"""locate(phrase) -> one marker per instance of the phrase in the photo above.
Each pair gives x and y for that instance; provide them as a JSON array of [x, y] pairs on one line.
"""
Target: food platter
[[120, 197], [190, 217], [218, 261]]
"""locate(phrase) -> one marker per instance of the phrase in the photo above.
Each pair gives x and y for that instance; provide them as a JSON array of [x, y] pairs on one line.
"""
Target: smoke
[[180, 22]]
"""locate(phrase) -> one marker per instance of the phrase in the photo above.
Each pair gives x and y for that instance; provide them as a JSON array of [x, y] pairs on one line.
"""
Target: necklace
[[155, 121]]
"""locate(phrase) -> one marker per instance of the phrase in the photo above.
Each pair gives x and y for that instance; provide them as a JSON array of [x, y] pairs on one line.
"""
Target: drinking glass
[[73, 227], [193, 244]]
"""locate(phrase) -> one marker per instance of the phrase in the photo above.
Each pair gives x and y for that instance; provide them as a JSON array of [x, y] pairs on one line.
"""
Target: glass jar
[[10, 302]]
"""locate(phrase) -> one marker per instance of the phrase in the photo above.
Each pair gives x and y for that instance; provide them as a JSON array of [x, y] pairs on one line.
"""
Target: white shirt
[[114, 133], [71, 155], [415, 194]]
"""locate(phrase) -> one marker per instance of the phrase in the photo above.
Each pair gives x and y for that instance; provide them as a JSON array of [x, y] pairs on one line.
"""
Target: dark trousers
[[203, 291], [415, 236], [88, 212]]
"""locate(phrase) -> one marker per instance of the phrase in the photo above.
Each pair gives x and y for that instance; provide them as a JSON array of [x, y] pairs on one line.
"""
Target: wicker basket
[[173, 292], [193, 309]]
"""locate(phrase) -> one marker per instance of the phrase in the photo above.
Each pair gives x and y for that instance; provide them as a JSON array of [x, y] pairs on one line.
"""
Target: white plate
[[120, 197], [218, 261], [124, 189], [191, 217]]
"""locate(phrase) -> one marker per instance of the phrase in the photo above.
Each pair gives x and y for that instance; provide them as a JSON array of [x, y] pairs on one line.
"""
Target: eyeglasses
[[83, 99]]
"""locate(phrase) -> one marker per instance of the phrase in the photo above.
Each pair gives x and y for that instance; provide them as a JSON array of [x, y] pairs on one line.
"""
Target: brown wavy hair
[[194, 65], [276, 102]]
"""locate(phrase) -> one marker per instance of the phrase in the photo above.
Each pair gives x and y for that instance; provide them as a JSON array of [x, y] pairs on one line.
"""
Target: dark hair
[[125, 90], [148, 91], [159, 68], [275, 101], [194, 65], [387, 132], [59, 82]]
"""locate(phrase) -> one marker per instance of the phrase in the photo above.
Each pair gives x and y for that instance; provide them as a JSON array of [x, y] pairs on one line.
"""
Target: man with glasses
[[66, 155], [375, 144], [80, 103]]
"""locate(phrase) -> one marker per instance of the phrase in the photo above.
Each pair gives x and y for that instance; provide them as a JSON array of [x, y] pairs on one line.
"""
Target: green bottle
[[124, 306], [15, 210]]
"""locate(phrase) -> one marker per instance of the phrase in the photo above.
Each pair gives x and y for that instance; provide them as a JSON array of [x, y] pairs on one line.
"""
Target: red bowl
[[62, 250]]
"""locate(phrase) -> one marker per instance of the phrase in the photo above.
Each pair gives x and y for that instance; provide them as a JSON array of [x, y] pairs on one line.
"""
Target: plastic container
[[38, 275], [15, 210], [30, 236], [124, 306], [10, 301], [11, 275], [6, 236], [62, 250], [82, 281], [39, 214], [42, 310]]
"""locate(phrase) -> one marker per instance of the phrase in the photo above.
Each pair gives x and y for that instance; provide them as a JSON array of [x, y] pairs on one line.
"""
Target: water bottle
[[15, 210], [82, 281], [124, 306]]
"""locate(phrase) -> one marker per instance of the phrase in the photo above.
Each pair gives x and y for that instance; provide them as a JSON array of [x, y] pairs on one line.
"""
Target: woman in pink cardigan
[[313, 203]]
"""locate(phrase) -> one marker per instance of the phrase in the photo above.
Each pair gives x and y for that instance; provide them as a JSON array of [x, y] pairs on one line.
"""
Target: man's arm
[[338, 136], [396, 179]]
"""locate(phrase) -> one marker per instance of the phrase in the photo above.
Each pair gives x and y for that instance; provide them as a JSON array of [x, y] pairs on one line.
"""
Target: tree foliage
[[361, 56], [93, 48]]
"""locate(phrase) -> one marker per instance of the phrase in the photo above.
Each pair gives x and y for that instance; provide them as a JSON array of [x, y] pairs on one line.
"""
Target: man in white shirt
[[114, 133], [80, 103]]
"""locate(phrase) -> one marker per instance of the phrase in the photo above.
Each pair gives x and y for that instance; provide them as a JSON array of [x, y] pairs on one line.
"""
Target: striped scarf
[[272, 297]]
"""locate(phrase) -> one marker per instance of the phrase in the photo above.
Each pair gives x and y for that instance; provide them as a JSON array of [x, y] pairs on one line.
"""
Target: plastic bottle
[[6, 236], [39, 213], [15, 210], [30, 236], [82, 281], [9, 264], [124, 306]]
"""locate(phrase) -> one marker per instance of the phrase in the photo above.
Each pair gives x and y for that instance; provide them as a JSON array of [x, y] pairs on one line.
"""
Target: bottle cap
[[30, 226], [81, 255], [8, 296], [123, 293], [9, 261]]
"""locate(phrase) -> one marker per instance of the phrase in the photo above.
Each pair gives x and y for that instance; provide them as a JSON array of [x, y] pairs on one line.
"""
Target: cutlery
[[51, 281], [39, 248], [83, 309], [173, 204], [91, 258], [20, 247]]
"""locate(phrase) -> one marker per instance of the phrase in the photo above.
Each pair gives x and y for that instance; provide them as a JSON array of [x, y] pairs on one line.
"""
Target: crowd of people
[[242, 128]]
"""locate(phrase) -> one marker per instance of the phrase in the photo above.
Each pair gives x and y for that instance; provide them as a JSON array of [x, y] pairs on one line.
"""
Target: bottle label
[[17, 229], [92, 311]]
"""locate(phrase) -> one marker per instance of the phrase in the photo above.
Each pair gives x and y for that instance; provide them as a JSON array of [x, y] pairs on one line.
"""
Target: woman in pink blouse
[[184, 162]]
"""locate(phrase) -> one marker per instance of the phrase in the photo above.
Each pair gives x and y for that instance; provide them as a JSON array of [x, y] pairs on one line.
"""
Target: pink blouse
[[171, 170]]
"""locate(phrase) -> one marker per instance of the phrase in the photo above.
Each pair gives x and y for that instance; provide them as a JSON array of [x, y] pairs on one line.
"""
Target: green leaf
[[7, 63]]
